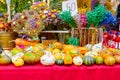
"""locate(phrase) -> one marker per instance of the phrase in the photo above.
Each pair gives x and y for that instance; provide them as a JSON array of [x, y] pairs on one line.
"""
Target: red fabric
[[39, 72]]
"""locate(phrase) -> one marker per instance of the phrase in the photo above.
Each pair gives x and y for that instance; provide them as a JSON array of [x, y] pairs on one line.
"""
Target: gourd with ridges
[[88, 60]]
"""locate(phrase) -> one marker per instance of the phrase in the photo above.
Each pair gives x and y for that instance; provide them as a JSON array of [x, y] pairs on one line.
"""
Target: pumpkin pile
[[59, 54]]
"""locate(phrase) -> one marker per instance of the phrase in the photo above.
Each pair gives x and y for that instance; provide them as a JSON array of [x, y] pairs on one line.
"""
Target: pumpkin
[[111, 49], [19, 55], [58, 45], [88, 60], [20, 41], [59, 61], [14, 51], [47, 59], [89, 46], [109, 60], [104, 54], [19, 62], [99, 60], [58, 55], [39, 53], [67, 59], [37, 60], [91, 53], [77, 61], [117, 59], [74, 53], [68, 48], [30, 58], [97, 47], [83, 50], [37, 47], [5, 60], [56, 51], [7, 52]]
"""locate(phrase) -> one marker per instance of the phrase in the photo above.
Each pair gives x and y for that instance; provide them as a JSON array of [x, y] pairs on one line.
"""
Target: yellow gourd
[[67, 59]]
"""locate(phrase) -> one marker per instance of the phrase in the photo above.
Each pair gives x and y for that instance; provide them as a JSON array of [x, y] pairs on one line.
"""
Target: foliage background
[[16, 5]]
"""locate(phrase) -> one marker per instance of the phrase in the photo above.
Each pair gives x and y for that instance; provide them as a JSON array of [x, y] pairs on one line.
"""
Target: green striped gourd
[[88, 60]]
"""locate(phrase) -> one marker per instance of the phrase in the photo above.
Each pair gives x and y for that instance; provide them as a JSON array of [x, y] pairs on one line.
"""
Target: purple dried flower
[[32, 22], [17, 16]]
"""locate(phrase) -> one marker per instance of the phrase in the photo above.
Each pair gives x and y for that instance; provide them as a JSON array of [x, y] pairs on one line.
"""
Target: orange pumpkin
[[117, 59], [103, 54], [67, 48], [67, 59], [31, 58], [111, 49], [83, 50], [58, 45], [20, 41], [109, 60]]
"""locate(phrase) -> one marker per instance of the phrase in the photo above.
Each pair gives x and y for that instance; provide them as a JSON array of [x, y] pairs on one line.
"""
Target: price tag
[[70, 5]]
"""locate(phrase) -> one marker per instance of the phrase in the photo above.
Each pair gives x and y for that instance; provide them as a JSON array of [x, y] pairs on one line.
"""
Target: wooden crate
[[90, 36]]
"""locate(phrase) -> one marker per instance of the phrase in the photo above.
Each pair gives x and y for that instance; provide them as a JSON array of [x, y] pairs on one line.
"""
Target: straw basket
[[7, 39]]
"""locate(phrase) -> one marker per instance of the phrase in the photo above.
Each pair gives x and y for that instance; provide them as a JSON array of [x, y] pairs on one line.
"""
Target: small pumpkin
[[47, 59], [74, 53], [99, 60], [59, 61], [5, 60], [88, 60], [58, 55], [30, 58], [67, 59], [18, 55], [7, 52], [20, 41], [83, 50], [77, 61], [14, 51], [19, 62], [56, 51], [109, 60], [37, 47], [111, 49], [91, 53], [103, 54], [117, 59], [58, 45], [97, 47], [68, 48]]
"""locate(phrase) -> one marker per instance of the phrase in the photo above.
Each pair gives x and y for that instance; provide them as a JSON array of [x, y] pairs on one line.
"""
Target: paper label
[[70, 5]]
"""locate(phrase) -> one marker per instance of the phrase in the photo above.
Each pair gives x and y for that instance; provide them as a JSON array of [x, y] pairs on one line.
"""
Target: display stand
[[61, 32]]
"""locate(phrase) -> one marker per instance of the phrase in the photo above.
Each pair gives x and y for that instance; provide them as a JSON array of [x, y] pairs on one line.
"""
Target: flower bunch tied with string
[[49, 16], [28, 24], [68, 18]]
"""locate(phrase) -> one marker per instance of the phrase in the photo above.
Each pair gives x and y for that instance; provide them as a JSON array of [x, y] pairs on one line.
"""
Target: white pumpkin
[[7, 52], [97, 47], [47, 59], [18, 55], [91, 53], [89, 46], [77, 61]]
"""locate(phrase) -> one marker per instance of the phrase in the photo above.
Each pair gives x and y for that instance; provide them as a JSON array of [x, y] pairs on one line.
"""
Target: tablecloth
[[55, 72]]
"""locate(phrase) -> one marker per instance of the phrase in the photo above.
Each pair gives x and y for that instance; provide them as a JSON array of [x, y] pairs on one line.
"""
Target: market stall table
[[39, 72]]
